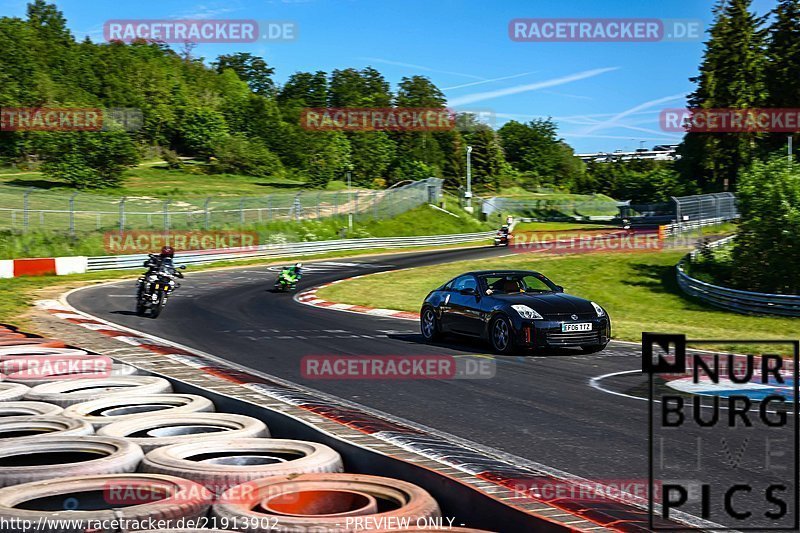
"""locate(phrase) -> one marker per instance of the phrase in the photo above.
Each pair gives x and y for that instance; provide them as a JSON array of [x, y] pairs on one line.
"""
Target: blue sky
[[604, 96]]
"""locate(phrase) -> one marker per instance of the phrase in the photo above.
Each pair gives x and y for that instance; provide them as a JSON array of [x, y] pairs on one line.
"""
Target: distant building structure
[[660, 152]]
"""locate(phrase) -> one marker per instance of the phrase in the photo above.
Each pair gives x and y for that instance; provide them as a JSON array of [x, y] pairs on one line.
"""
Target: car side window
[[465, 282]]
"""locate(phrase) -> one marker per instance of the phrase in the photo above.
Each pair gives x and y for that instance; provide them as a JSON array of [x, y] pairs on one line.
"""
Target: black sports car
[[514, 309]]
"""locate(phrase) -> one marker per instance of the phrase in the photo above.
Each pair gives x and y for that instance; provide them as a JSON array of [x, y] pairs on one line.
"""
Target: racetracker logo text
[[598, 30], [199, 31], [378, 119], [698, 120], [397, 367], [140, 242], [69, 119]]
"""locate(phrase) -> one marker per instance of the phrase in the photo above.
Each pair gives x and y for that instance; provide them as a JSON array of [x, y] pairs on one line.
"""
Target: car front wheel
[[500, 335], [429, 325]]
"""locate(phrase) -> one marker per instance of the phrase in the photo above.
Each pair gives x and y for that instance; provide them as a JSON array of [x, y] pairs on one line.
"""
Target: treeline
[[232, 113], [750, 61]]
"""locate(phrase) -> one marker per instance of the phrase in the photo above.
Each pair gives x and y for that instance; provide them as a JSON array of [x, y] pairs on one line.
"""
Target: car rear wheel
[[429, 325], [594, 348], [500, 335]]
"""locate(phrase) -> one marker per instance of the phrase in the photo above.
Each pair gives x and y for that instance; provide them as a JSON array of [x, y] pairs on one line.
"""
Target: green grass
[[155, 180], [559, 226], [638, 290], [423, 220]]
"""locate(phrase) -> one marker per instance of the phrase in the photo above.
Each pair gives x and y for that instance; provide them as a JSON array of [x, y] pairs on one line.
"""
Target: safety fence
[[39, 209], [587, 208], [731, 299]]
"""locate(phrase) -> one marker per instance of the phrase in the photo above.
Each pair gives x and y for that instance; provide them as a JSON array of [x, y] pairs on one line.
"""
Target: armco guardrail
[[735, 300], [114, 262]]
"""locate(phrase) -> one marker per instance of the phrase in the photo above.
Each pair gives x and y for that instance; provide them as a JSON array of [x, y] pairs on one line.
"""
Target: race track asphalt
[[539, 408]]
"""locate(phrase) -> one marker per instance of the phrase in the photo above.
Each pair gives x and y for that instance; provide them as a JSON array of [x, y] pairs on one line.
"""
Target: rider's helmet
[[298, 265], [167, 251]]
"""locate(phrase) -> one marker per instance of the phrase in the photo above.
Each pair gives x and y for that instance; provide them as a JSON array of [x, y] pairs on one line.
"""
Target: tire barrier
[[124, 407], [182, 500], [221, 464], [70, 392], [297, 503], [12, 391], [28, 408], [172, 444], [151, 432], [28, 460], [27, 427], [32, 370]]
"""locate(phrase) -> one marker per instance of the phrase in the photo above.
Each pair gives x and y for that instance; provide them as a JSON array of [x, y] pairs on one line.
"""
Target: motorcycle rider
[[292, 274], [160, 261]]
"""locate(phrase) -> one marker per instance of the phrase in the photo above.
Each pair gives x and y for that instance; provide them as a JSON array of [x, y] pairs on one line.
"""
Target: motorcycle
[[285, 282], [502, 239], [154, 290]]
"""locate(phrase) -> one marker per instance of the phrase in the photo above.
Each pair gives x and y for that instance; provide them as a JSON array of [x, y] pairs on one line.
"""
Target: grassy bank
[[638, 289], [422, 220]]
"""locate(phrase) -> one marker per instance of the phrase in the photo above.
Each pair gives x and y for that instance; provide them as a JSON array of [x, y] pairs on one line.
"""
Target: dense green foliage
[[747, 63]]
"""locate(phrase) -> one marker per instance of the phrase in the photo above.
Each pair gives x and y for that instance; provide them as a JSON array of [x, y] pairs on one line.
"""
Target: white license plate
[[583, 326]]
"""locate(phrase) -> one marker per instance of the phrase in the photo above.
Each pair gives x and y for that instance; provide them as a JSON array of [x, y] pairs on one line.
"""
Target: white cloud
[[488, 95]]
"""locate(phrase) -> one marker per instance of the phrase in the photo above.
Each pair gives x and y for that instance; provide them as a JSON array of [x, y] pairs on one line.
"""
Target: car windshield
[[517, 282]]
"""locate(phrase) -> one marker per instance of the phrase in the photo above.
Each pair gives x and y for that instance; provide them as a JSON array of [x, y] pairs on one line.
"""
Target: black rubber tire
[[594, 348], [13, 428], [28, 408], [227, 427], [185, 500], [434, 332], [96, 411], [295, 456], [110, 456], [70, 392], [495, 336]]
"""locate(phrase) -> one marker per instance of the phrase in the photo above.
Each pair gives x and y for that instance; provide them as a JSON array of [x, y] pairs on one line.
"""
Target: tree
[[304, 89], [782, 70], [87, 160], [534, 148], [251, 69], [766, 252], [238, 155], [371, 154], [354, 88], [487, 157], [731, 76], [200, 129]]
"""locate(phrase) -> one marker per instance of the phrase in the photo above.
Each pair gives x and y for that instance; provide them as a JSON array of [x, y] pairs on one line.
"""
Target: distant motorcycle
[[154, 288], [288, 278], [502, 239]]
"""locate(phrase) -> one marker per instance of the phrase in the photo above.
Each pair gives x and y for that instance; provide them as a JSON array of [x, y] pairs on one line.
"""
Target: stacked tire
[[127, 447]]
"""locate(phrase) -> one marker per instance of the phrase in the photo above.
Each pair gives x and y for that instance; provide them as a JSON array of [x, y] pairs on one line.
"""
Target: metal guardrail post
[[166, 217], [122, 215], [72, 213], [25, 208]]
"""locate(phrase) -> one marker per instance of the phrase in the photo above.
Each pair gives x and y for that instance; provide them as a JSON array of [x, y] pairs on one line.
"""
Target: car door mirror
[[467, 291], [559, 288]]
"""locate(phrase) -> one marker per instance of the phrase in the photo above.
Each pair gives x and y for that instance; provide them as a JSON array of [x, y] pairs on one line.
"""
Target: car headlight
[[600, 311], [526, 312]]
